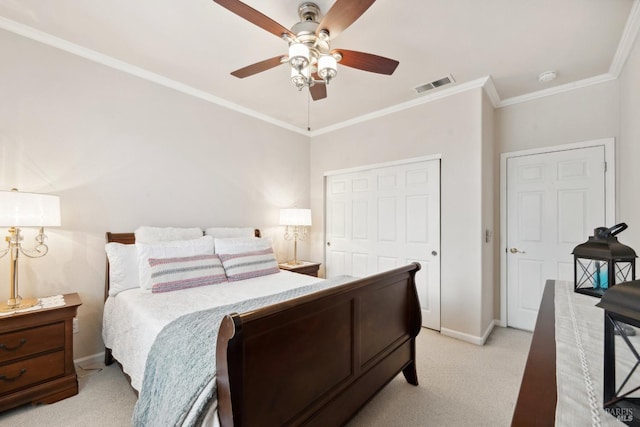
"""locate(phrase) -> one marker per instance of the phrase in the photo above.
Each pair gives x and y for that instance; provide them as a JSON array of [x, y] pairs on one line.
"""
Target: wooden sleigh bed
[[316, 359]]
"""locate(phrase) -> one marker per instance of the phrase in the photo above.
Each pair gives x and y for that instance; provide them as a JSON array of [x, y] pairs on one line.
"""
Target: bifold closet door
[[382, 217]]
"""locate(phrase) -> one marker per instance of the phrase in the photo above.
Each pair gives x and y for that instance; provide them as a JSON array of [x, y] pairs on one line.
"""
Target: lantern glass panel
[[593, 278], [592, 275], [624, 271], [622, 388]]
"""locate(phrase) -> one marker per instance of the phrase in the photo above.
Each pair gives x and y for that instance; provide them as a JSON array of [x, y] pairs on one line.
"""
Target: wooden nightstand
[[305, 267], [36, 355]]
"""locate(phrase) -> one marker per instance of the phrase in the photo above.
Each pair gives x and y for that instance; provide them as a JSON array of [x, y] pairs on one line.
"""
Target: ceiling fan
[[313, 63]]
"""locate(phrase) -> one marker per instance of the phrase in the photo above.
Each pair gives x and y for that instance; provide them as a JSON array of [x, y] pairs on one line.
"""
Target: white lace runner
[[579, 359], [44, 302]]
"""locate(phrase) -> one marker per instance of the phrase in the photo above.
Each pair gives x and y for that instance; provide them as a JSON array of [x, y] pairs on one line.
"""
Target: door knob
[[328, 243], [434, 253], [516, 251]]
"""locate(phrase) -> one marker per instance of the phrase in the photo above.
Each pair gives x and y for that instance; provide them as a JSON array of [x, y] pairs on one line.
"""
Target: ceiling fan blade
[[258, 67], [367, 61], [318, 91], [255, 17], [342, 14]]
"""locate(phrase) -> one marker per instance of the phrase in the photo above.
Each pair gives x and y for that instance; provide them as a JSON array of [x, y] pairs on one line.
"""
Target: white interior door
[[385, 217], [554, 201]]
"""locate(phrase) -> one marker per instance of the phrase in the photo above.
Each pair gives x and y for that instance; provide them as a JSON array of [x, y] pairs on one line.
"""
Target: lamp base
[[294, 262], [18, 304]]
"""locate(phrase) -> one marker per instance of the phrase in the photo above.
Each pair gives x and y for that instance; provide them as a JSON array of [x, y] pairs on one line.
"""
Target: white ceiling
[[193, 45]]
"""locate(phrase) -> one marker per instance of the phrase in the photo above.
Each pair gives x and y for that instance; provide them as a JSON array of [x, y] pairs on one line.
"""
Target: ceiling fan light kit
[[310, 56]]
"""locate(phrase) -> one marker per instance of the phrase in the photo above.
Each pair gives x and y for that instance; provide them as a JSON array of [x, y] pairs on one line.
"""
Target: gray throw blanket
[[179, 384]]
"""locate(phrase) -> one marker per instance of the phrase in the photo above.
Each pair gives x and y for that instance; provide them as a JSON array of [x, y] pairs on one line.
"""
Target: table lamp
[[299, 220], [18, 209]]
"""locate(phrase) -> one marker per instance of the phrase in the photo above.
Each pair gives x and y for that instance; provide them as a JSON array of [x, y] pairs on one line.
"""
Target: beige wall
[[490, 276], [122, 152], [628, 152], [573, 116], [452, 128]]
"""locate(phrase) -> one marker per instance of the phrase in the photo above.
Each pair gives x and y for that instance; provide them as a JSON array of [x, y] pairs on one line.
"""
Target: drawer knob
[[22, 342], [6, 379]]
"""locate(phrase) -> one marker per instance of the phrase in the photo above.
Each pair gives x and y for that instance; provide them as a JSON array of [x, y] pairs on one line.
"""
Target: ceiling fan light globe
[[327, 67], [300, 78], [298, 56]]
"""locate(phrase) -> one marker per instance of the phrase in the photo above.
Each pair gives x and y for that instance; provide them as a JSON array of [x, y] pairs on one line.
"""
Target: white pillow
[[173, 249], [236, 245], [166, 234], [123, 267], [225, 232]]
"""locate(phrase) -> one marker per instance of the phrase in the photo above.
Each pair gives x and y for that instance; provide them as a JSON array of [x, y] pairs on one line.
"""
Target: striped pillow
[[249, 264], [172, 274]]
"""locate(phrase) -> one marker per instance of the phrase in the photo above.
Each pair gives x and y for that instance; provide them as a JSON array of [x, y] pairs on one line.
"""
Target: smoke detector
[[547, 76]]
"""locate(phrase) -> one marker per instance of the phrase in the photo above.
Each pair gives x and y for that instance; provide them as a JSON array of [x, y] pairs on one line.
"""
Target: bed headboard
[[130, 239]]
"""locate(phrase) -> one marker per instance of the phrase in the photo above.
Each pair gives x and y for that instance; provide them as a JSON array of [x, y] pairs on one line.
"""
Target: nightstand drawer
[[31, 341], [31, 371]]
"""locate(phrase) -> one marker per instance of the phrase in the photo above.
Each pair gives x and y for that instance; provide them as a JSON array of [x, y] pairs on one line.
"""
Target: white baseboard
[[90, 360], [477, 340], [485, 337]]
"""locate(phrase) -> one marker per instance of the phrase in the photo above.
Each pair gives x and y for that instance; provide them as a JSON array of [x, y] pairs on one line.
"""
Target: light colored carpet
[[461, 384]]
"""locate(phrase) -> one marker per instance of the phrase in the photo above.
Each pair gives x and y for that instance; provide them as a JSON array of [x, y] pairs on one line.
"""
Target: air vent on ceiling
[[435, 84]]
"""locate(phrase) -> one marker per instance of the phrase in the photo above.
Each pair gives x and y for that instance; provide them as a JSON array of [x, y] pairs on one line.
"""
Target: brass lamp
[[18, 209], [298, 220]]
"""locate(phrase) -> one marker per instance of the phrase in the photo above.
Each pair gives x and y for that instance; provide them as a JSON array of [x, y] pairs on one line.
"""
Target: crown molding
[[443, 93], [492, 93], [629, 35], [92, 55], [602, 78]]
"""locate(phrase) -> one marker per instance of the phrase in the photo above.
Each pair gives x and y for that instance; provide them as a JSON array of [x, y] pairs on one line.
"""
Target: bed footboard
[[317, 359]]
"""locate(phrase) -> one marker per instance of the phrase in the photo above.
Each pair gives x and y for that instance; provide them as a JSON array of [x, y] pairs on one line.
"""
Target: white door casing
[[552, 201], [383, 216]]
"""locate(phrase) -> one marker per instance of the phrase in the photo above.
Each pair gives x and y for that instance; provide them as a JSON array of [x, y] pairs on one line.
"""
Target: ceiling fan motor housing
[[305, 32], [309, 11]]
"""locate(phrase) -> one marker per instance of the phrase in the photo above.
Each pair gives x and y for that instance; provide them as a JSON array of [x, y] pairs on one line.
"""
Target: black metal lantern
[[602, 261], [621, 384]]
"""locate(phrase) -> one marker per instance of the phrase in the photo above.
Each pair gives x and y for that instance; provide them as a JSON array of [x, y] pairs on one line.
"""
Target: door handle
[[516, 251]]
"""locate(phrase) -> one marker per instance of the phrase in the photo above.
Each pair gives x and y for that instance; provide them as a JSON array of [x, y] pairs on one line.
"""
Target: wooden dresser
[[536, 404], [36, 355]]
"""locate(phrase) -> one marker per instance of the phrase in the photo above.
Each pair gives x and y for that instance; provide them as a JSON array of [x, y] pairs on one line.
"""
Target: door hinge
[[605, 167]]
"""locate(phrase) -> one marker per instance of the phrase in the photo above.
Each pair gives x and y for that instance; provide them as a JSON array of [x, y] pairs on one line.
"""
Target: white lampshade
[[327, 67], [298, 55], [19, 209], [295, 217]]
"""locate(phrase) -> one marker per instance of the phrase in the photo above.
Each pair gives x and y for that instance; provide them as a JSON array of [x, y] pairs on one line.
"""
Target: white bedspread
[[133, 318]]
